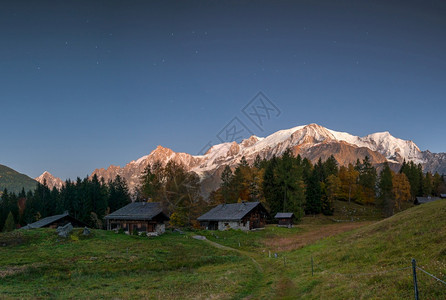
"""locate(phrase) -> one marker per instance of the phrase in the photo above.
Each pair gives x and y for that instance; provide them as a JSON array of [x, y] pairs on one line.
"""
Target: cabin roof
[[230, 212], [138, 211], [286, 215], [421, 200], [48, 220]]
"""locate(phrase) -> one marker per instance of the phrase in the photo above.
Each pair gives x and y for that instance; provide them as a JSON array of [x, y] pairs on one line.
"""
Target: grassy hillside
[[351, 261], [343, 262], [419, 233], [37, 264], [15, 181]]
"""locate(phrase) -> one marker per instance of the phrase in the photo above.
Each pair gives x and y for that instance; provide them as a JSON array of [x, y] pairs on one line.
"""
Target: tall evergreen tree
[[291, 186], [331, 166], [313, 203], [386, 190], [9, 223], [257, 162], [119, 195], [226, 184], [270, 189]]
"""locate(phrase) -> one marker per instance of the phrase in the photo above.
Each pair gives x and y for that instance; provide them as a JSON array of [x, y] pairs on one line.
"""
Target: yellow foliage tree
[[349, 181], [401, 190]]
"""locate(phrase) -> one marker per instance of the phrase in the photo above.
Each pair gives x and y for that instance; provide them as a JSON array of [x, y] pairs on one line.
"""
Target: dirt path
[[220, 246], [311, 234]]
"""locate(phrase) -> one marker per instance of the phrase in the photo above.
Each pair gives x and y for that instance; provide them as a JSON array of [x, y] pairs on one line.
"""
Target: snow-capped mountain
[[50, 180], [311, 141]]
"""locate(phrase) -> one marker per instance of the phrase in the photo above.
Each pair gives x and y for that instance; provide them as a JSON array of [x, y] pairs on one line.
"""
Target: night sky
[[86, 84]]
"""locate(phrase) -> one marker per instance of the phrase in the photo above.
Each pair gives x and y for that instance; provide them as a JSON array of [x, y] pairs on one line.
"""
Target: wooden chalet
[[56, 221], [422, 200], [285, 219], [140, 216], [244, 216]]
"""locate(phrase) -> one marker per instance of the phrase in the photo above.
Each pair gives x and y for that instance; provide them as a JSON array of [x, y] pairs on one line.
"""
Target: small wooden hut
[[285, 219]]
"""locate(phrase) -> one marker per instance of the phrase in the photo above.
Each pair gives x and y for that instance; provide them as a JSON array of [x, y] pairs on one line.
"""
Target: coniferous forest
[[295, 184], [88, 200], [283, 184]]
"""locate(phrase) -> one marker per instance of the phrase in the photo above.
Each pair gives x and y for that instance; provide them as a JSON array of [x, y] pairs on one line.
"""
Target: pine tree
[[226, 180], [313, 203], [427, 184], [243, 162], [331, 166], [288, 178], [9, 223], [412, 173], [118, 194], [257, 162], [238, 186], [151, 186], [367, 180], [330, 193], [386, 190], [270, 189], [436, 184]]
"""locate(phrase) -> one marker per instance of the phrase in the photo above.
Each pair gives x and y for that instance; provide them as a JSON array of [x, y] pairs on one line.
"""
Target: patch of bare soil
[[311, 234], [8, 271]]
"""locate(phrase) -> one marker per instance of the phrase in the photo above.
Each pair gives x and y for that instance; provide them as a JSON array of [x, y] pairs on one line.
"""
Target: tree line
[[294, 184], [283, 184], [176, 189], [87, 200]]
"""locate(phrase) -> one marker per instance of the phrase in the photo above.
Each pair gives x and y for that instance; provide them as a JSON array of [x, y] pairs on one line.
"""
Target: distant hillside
[[15, 181]]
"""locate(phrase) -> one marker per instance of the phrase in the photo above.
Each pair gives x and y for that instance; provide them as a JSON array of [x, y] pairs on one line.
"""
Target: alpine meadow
[[222, 150]]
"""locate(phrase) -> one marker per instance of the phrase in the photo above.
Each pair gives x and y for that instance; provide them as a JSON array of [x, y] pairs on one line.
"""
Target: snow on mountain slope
[[311, 141], [394, 149]]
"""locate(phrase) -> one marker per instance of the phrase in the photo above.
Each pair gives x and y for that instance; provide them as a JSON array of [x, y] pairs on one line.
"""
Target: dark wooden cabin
[[244, 216], [56, 221], [422, 200], [140, 216], [285, 219]]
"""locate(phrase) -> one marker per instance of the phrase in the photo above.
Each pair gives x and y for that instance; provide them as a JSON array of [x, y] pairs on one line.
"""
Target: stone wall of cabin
[[224, 225], [160, 228]]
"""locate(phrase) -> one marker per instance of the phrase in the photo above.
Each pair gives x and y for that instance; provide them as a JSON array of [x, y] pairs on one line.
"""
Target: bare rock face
[[64, 231], [50, 180], [311, 141]]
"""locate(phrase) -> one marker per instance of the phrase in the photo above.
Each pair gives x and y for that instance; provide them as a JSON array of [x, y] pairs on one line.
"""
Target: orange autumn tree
[[349, 182], [401, 189]]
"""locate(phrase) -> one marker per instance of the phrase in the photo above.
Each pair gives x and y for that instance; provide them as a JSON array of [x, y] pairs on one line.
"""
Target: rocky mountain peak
[[50, 180], [312, 141]]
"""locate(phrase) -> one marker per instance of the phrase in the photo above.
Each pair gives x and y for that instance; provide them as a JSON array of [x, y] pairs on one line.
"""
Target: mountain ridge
[[311, 141], [14, 181]]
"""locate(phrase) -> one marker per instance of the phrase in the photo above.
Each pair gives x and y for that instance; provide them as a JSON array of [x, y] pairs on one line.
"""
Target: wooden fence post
[[415, 284]]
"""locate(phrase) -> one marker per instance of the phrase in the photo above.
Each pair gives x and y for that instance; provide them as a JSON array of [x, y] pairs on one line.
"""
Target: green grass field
[[38, 264]]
